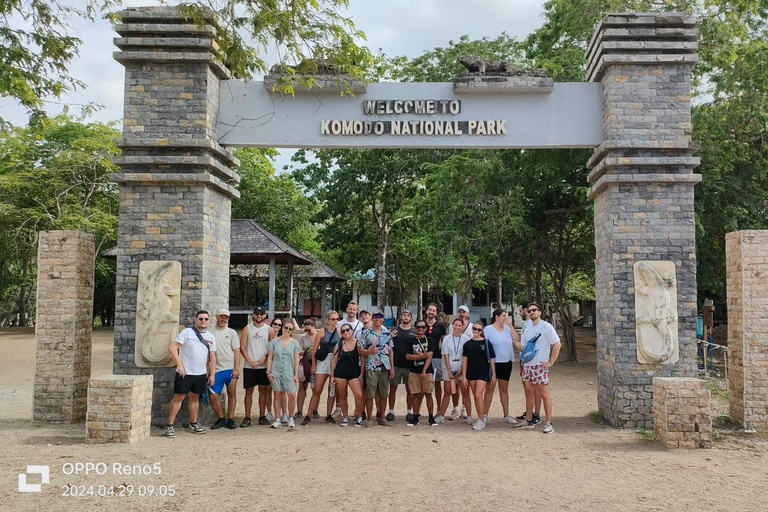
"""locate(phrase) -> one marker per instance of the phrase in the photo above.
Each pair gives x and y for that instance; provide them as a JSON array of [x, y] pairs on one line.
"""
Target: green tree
[[362, 193], [57, 178], [273, 200], [37, 45]]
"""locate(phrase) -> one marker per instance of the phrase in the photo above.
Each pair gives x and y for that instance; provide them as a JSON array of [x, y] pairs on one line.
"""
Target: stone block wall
[[65, 279], [176, 182], [682, 412], [643, 180], [119, 409], [746, 260]]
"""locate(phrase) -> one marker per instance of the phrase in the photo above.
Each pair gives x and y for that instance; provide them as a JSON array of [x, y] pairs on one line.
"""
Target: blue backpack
[[529, 351]]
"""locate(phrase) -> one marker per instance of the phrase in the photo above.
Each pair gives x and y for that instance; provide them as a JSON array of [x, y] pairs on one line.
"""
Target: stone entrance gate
[[183, 109]]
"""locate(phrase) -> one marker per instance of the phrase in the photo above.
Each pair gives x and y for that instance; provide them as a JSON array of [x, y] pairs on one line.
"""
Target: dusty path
[[583, 466]]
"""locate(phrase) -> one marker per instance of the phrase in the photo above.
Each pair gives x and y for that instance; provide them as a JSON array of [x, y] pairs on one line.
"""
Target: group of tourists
[[438, 364]]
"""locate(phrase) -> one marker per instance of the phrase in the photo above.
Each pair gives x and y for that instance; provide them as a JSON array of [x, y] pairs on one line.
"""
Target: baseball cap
[[259, 310], [363, 312], [377, 312], [222, 312], [463, 308]]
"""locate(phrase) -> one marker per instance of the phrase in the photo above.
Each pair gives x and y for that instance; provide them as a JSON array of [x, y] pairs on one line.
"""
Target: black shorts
[[190, 384], [473, 376], [254, 377], [504, 370], [346, 372]]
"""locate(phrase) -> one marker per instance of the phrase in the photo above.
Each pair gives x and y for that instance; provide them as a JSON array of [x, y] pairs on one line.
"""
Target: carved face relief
[[656, 312], [157, 312]]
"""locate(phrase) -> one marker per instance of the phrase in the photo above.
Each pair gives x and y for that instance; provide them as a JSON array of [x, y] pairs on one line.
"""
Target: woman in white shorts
[[453, 347], [327, 338]]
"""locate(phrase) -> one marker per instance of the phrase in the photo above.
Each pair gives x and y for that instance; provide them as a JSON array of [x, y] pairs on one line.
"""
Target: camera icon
[[44, 471]]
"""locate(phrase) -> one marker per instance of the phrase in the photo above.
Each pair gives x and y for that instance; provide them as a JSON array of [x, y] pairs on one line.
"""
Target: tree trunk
[[22, 304], [381, 268], [420, 303], [538, 298], [569, 334], [528, 284], [468, 281], [499, 286]]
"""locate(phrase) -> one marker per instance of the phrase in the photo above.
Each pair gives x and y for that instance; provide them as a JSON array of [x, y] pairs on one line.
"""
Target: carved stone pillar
[[176, 182], [643, 193]]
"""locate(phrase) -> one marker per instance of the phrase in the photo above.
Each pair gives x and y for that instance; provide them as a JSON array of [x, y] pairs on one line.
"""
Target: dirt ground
[[582, 466]]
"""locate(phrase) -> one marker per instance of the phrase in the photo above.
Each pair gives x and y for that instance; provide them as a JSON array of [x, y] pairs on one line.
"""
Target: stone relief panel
[[656, 312], [157, 312]]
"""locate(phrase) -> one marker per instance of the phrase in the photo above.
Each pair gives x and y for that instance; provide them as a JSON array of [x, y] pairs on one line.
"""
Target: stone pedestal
[[682, 412], [643, 194], [65, 273], [119, 409], [746, 262], [176, 182]]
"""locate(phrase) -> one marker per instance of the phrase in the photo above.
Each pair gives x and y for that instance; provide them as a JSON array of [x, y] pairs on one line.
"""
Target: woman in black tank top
[[346, 369]]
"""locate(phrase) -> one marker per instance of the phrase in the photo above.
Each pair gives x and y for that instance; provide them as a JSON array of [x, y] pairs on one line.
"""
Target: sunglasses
[[346, 330], [334, 319], [477, 329], [204, 319], [287, 328], [277, 325], [378, 316], [533, 310], [307, 330], [421, 327]]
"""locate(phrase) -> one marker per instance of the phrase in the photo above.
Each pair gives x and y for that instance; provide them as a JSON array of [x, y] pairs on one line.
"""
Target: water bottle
[[333, 390], [312, 381]]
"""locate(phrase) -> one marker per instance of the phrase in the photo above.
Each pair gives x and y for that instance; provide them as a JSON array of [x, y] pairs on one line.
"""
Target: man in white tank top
[[254, 342]]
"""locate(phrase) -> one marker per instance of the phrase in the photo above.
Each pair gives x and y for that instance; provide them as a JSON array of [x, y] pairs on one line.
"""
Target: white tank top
[[258, 343]]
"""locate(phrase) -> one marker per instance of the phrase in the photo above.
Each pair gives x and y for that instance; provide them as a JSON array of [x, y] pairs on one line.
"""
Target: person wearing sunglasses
[[536, 371], [376, 341], [194, 352], [277, 326], [347, 370], [306, 342], [254, 347], [283, 371], [523, 311], [421, 379], [479, 369], [325, 341]]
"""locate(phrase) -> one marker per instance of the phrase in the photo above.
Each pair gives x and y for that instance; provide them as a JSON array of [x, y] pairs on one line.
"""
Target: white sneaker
[[548, 428], [485, 419], [359, 421], [291, 423], [284, 419], [479, 425], [270, 416], [439, 419], [509, 419], [276, 424], [454, 414], [345, 422], [469, 420], [464, 412]]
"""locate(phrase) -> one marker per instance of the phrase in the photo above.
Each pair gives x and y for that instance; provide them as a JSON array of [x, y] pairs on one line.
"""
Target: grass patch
[[645, 434], [724, 421], [596, 417], [717, 391]]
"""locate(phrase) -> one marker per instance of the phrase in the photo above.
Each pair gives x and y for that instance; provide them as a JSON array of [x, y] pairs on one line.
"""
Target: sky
[[397, 27]]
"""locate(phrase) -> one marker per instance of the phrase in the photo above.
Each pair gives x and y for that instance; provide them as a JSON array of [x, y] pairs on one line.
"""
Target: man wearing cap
[[227, 370], [377, 342], [254, 343], [464, 315], [194, 352]]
